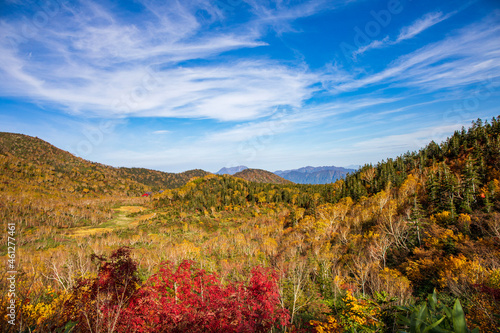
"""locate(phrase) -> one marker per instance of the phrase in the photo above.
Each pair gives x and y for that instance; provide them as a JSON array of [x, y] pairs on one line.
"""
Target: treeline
[[462, 165], [159, 180], [460, 176]]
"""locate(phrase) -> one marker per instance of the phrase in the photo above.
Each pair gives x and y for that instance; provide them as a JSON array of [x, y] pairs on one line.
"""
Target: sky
[[178, 85]]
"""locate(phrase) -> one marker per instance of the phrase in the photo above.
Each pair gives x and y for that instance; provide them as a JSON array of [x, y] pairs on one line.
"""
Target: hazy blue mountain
[[353, 166], [314, 175], [231, 170]]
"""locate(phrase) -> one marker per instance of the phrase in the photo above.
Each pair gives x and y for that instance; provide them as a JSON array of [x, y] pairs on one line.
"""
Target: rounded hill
[[261, 176]]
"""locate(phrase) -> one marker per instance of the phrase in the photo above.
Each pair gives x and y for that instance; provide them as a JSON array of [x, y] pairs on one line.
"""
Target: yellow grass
[[121, 220]]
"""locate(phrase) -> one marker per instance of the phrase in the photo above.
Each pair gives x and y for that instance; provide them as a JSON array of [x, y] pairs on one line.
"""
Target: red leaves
[[189, 299], [182, 299], [96, 304], [492, 292]]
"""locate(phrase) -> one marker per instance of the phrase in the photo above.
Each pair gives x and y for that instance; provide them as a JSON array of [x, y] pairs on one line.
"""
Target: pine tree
[[469, 186], [416, 216], [433, 191]]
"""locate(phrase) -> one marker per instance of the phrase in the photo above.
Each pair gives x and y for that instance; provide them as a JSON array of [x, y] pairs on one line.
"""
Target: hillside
[[30, 158], [159, 180], [261, 176], [28, 162], [427, 220], [314, 175]]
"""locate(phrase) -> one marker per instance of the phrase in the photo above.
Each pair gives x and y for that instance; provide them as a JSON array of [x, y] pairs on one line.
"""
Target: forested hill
[[261, 176], [30, 163], [159, 180], [459, 175], [28, 159]]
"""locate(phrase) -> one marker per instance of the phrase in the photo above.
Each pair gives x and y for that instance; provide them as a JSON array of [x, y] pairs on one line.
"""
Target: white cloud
[[280, 14], [376, 44], [408, 141], [469, 57], [420, 25], [110, 68]]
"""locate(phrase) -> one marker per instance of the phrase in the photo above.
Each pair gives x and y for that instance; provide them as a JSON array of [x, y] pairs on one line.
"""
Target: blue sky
[[177, 85]]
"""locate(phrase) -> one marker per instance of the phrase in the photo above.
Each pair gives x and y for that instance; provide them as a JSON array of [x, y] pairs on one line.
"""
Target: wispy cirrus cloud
[[108, 67], [92, 61], [469, 56], [424, 23], [293, 120], [407, 141], [408, 32], [279, 15]]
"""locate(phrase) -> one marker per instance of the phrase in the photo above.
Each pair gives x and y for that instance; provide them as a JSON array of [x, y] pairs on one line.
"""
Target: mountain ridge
[[315, 175], [231, 170], [261, 176], [50, 164]]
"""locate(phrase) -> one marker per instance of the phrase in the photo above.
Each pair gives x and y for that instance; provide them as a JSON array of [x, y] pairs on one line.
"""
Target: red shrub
[[190, 300], [173, 300]]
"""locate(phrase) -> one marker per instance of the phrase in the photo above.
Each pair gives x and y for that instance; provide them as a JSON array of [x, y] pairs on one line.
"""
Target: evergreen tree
[[469, 186]]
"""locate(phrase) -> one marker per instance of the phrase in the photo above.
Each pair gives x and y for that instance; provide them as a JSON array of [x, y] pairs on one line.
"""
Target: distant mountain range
[[305, 175], [231, 170], [315, 175]]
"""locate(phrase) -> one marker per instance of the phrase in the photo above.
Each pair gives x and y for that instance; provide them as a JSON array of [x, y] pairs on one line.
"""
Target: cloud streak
[[421, 24], [417, 27], [470, 56]]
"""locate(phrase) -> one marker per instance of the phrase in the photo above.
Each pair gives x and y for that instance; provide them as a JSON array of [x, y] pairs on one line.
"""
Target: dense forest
[[411, 244]]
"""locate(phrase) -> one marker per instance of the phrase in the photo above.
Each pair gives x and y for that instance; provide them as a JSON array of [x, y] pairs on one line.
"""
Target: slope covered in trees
[[402, 228], [159, 180], [364, 254], [26, 157], [30, 164], [260, 176]]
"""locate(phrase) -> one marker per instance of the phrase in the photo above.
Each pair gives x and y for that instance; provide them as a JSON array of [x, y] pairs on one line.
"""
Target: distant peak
[[314, 175], [231, 170]]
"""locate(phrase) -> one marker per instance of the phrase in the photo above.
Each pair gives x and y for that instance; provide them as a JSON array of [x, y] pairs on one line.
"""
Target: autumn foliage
[[97, 303], [346, 256], [182, 299]]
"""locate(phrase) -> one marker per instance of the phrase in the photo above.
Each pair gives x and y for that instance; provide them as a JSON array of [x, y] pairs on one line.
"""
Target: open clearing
[[120, 220]]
